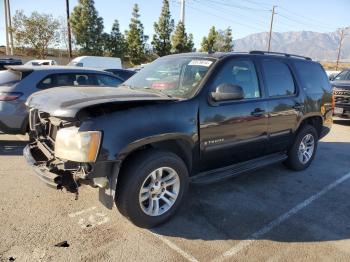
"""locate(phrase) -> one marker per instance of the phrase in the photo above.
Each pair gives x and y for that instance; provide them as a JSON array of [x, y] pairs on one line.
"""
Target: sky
[[243, 16]]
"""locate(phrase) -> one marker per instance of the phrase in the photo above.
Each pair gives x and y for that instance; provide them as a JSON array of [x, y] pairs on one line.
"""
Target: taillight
[[333, 101], [9, 96]]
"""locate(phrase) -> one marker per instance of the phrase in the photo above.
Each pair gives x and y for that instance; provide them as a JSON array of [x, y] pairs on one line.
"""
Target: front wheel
[[303, 150], [151, 188]]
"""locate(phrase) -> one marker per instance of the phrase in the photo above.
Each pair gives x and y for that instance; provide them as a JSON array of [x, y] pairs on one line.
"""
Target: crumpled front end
[[57, 172]]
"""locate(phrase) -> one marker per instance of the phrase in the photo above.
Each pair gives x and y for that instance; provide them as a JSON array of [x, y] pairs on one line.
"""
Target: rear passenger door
[[284, 104]]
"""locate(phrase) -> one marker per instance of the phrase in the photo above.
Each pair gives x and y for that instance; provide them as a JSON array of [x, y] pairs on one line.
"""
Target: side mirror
[[331, 77], [227, 92]]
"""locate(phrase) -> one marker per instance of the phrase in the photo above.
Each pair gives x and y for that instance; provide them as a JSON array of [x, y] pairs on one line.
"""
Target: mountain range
[[318, 46]]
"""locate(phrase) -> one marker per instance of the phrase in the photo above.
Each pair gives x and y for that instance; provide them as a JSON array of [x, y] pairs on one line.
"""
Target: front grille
[[341, 96], [41, 127]]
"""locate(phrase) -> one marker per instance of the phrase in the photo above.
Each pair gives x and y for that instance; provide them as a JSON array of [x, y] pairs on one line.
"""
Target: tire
[[141, 208], [300, 162]]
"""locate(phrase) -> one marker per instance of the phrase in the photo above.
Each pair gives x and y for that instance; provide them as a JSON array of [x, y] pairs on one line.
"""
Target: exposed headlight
[[77, 146]]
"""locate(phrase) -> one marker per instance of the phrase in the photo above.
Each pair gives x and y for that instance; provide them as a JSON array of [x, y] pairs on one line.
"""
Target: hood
[[341, 84], [68, 101]]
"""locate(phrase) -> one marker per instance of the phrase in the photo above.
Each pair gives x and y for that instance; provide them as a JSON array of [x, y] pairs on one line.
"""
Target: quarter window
[[240, 72], [105, 80], [278, 78]]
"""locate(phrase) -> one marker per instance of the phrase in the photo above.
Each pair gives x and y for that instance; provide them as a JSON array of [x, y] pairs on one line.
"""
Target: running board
[[237, 169]]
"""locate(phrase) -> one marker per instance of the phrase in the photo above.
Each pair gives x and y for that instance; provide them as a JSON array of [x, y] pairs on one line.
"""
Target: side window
[[105, 80], [47, 82], [312, 76], [65, 79], [240, 72], [278, 78], [83, 79]]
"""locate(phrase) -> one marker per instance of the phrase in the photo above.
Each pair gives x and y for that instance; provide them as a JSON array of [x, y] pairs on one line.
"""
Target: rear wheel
[[303, 150], [151, 188]]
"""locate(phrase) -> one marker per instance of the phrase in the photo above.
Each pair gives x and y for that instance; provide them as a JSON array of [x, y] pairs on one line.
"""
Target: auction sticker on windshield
[[197, 62]]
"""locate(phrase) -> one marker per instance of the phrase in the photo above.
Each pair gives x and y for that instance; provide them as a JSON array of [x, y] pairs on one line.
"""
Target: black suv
[[341, 91], [190, 117]]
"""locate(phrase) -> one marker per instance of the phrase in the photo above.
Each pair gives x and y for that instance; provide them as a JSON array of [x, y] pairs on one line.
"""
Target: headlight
[[77, 146]]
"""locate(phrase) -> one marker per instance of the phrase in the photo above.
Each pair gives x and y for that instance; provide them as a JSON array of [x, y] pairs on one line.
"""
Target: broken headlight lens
[[77, 146]]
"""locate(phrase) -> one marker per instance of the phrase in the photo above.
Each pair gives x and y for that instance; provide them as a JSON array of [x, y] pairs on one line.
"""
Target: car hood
[[68, 101], [341, 84]]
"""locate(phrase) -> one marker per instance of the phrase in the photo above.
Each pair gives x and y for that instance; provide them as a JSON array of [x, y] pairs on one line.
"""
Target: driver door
[[233, 131]]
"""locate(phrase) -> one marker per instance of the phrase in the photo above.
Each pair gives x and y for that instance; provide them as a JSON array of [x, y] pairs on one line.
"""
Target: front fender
[[126, 130]]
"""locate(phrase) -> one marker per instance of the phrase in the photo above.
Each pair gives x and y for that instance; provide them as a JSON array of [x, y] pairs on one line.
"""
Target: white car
[[41, 62], [99, 62]]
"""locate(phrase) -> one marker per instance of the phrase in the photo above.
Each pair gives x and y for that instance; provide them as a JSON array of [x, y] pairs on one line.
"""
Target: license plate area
[[338, 110]]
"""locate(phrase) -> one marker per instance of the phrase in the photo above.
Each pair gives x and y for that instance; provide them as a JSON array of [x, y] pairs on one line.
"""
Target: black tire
[[293, 162], [132, 177]]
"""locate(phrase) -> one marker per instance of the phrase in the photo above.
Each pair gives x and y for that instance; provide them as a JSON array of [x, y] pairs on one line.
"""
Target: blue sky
[[243, 16]]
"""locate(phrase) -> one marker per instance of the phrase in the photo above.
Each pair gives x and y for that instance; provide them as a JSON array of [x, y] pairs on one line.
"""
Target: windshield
[[345, 75], [173, 76]]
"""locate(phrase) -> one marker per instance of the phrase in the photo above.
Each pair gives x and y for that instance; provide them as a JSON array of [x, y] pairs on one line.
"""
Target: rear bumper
[[42, 172], [13, 117]]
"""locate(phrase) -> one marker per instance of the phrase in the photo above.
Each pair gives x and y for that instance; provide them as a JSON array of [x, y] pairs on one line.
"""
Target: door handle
[[298, 106], [257, 112]]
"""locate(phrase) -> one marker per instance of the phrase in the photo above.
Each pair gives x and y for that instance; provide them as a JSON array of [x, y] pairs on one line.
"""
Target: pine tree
[[116, 45], [135, 38], [181, 43], [163, 29], [208, 43], [87, 28], [224, 42]]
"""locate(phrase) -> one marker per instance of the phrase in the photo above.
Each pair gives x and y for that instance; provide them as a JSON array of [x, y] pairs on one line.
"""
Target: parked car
[[41, 62], [19, 82], [124, 74], [187, 117], [100, 62], [9, 61], [341, 92]]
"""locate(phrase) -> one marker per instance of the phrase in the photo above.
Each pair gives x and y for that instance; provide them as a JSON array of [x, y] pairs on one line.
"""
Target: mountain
[[318, 46]]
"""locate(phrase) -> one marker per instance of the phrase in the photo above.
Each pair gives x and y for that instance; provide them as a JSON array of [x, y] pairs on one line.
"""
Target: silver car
[[19, 82]]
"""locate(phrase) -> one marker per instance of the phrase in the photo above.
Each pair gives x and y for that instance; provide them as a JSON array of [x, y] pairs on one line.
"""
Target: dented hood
[[68, 101]]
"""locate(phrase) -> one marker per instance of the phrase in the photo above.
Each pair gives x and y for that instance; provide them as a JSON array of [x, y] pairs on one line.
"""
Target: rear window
[[278, 78], [312, 76], [11, 77]]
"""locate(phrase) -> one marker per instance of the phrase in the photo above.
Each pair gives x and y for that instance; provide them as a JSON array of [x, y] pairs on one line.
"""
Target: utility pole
[[6, 27], [182, 13], [270, 35], [10, 25], [68, 31], [339, 49]]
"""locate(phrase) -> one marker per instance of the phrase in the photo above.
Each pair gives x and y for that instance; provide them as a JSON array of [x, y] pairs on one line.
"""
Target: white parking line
[[258, 234], [176, 248], [81, 212], [22, 137]]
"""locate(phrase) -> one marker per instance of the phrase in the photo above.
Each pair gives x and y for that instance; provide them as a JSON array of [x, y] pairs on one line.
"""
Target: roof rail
[[257, 52]]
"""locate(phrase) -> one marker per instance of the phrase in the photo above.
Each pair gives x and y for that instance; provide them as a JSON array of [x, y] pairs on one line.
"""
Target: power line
[[223, 18]]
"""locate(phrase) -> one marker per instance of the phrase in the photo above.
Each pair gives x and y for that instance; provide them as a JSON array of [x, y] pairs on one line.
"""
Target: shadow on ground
[[343, 122], [12, 147], [236, 208]]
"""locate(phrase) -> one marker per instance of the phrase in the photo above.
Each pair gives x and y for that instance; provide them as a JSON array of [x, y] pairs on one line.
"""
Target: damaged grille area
[[43, 132]]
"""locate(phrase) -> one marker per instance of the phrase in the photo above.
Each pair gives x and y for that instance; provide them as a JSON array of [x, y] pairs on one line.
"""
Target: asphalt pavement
[[273, 214]]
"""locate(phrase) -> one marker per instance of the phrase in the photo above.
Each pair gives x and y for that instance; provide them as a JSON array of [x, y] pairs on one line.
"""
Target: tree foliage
[[220, 41], [163, 29], [224, 41], [135, 38], [116, 44], [87, 28], [181, 43], [37, 32]]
